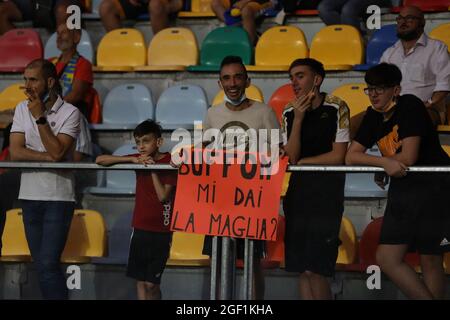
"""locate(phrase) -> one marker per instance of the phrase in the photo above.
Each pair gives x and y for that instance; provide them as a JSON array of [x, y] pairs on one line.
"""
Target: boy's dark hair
[[313, 64], [147, 127], [233, 60], [383, 75], [48, 70]]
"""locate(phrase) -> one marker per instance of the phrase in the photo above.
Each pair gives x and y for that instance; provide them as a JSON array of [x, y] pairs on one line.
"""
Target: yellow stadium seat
[[353, 94], [121, 50], [15, 245], [87, 237], [338, 47], [278, 47], [349, 247], [199, 9], [187, 249], [11, 96], [252, 92], [446, 149], [172, 49], [284, 188], [442, 33], [443, 129]]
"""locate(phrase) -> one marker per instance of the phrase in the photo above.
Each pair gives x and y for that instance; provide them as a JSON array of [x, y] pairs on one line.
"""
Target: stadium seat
[[199, 9], [84, 47], [442, 33], [378, 43], [252, 92], [11, 96], [285, 185], [121, 50], [115, 182], [15, 245], [306, 12], [278, 47], [446, 149], [222, 42], [353, 94], [362, 185], [180, 106], [348, 250], [338, 47], [369, 243], [427, 5], [118, 241], [187, 249], [126, 106], [87, 237], [280, 98], [172, 49], [18, 47]]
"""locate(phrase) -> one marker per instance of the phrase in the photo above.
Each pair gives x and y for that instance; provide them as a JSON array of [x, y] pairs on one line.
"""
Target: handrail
[[292, 168]]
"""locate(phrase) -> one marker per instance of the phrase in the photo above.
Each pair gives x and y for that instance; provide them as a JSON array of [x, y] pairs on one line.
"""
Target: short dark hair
[[48, 70], [313, 64], [147, 127], [383, 75], [233, 60]]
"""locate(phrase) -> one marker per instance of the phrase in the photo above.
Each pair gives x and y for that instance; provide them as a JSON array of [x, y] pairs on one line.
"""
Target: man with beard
[[424, 62]]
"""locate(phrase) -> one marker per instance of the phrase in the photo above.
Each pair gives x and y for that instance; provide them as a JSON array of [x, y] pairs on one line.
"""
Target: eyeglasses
[[377, 90], [408, 19]]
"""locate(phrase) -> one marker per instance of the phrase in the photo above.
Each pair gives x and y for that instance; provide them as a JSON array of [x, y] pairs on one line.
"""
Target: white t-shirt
[[46, 185]]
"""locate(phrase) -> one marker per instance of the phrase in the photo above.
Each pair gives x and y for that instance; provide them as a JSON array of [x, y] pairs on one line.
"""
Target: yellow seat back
[[349, 247], [187, 250], [442, 33], [338, 47], [252, 92], [122, 48], [11, 96], [15, 245], [353, 94], [173, 46], [199, 8], [280, 46], [87, 237]]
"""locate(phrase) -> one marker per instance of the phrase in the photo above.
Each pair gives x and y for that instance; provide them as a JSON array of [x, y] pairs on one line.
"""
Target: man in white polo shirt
[[424, 62], [45, 128]]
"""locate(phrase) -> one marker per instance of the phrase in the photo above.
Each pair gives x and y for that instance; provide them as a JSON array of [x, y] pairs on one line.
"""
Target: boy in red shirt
[[151, 239]]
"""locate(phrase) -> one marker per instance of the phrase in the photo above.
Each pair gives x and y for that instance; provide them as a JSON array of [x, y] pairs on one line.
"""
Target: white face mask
[[235, 102]]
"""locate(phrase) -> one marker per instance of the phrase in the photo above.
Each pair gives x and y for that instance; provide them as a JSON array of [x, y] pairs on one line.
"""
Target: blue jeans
[[47, 225], [346, 11]]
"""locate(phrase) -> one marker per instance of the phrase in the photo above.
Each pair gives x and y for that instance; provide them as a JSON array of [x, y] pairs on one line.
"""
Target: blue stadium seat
[[179, 106], [119, 241], [126, 106], [378, 43], [117, 181], [84, 47], [362, 185]]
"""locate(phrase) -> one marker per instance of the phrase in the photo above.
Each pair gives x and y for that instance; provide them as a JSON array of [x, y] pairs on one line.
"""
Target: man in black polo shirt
[[317, 128], [416, 215]]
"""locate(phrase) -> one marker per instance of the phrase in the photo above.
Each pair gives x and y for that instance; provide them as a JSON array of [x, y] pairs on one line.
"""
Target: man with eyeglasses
[[424, 62]]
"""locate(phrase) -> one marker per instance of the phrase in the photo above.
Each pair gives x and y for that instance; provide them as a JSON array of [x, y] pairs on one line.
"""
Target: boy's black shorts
[[416, 213], [149, 252], [313, 209]]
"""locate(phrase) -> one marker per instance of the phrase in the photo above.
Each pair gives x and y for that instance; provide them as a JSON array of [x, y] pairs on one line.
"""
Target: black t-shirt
[[409, 119], [321, 127]]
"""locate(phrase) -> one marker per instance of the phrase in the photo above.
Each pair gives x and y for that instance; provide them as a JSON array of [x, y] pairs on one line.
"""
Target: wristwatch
[[41, 120]]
